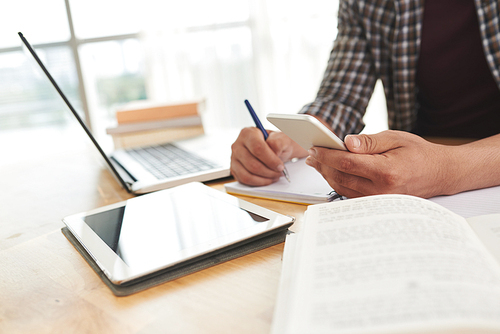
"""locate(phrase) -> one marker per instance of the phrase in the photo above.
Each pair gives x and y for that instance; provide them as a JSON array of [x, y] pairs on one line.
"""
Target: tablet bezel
[[119, 272]]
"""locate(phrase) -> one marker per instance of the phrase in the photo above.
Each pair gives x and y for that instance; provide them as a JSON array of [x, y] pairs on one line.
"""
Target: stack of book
[[142, 123]]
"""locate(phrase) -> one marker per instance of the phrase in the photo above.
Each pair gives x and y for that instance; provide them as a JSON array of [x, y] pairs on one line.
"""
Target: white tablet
[[306, 130], [146, 234]]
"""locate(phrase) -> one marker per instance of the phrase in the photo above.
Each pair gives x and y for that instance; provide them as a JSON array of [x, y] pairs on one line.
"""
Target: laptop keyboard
[[168, 160]]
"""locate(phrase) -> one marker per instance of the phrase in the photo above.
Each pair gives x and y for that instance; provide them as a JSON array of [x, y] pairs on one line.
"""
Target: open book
[[390, 264]]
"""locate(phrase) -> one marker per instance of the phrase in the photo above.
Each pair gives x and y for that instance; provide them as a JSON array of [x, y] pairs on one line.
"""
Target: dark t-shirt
[[457, 94]]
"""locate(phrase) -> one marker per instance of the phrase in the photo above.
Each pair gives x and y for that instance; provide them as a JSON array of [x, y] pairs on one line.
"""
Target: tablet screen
[[146, 231]]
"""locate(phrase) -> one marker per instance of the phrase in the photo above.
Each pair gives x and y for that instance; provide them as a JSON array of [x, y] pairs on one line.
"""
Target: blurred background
[[105, 53]]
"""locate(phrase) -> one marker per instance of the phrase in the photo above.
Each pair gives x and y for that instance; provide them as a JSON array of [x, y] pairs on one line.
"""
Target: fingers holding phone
[[306, 131]]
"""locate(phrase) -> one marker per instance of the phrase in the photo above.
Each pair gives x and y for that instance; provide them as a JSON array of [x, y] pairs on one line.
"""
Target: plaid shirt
[[380, 39]]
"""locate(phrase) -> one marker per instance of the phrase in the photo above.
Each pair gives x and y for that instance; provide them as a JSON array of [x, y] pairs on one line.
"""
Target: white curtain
[[271, 52]]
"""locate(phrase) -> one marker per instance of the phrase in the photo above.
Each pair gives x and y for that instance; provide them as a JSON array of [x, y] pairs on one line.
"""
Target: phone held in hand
[[306, 130]]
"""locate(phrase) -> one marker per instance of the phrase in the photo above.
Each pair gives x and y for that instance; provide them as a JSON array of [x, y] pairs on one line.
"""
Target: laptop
[[146, 169]]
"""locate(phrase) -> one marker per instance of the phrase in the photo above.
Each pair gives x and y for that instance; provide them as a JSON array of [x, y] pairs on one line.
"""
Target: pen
[[264, 132]]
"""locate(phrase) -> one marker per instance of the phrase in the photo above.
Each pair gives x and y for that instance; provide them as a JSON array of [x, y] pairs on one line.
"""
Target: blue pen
[[264, 132]]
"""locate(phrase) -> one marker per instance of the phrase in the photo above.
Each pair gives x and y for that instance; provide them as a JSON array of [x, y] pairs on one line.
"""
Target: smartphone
[[306, 130]]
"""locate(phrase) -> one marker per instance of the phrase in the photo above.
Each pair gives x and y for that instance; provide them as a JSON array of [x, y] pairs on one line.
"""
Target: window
[[26, 97], [105, 53]]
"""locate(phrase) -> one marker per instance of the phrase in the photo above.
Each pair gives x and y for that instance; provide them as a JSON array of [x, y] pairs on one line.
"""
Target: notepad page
[[306, 186]]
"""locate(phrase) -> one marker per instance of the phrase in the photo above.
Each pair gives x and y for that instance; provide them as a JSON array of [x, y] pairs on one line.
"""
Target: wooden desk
[[47, 287]]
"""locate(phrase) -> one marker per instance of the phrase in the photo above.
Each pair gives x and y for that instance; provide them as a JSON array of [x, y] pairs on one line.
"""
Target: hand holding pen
[[258, 124]]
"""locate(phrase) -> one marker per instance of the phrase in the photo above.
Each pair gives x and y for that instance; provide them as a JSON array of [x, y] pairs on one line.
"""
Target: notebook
[[306, 186], [147, 169]]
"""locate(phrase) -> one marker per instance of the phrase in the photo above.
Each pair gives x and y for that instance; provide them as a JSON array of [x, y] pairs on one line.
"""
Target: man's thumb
[[368, 144]]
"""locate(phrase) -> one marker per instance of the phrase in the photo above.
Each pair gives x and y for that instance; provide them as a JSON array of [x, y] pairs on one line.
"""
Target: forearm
[[472, 166], [349, 78]]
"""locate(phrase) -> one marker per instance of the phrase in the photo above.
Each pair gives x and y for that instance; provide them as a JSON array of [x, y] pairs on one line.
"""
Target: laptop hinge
[[123, 174]]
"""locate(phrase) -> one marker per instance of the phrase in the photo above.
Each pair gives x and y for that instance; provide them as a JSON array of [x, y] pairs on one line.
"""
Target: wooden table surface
[[47, 287]]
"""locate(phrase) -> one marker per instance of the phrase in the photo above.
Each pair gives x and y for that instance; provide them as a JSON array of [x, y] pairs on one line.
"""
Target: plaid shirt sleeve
[[350, 77]]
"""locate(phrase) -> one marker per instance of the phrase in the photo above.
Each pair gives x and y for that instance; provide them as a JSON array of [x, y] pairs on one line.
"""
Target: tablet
[[143, 235], [306, 130]]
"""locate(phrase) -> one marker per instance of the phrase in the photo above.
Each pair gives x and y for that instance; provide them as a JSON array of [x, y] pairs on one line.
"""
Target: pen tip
[[287, 176]]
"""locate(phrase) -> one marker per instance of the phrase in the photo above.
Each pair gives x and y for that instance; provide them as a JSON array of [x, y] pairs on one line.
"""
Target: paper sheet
[[472, 203]]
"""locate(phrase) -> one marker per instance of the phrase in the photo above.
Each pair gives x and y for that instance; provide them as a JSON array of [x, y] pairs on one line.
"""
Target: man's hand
[[257, 162], [387, 162]]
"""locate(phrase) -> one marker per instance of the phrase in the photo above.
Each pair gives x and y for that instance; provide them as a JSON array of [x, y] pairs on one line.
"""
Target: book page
[[280, 316], [389, 263], [487, 228]]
